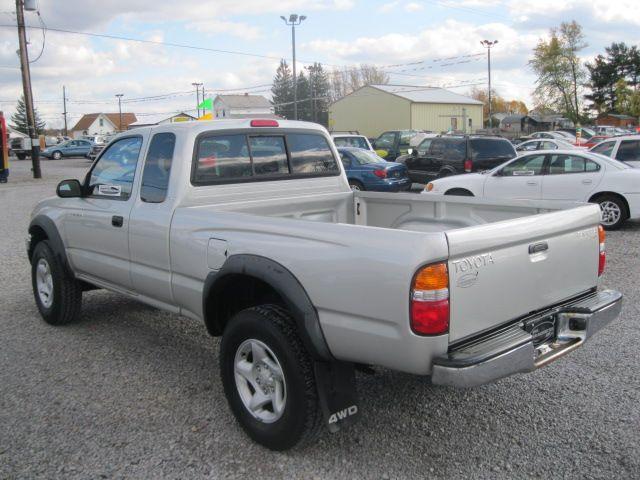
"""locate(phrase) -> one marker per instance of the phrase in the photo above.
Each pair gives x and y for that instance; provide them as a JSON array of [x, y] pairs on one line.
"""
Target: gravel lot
[[134, 392]]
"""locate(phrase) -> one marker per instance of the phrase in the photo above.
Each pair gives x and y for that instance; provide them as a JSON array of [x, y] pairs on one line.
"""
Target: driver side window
[[112, 176], [525, 166]]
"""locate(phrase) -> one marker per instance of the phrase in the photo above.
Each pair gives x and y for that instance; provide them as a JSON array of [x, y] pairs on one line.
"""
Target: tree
[[620, 63], [19, 119], [282, 91], [498, 104], [304, 98], [346, 80], [319, 90], [560, 71]]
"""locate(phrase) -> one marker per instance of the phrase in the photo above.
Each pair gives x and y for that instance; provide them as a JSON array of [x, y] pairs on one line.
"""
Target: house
[[616, 120], [102, 124], [160, 119], [242, 106], [373, 109]]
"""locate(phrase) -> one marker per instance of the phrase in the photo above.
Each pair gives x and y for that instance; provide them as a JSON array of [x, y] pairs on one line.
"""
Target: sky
[[241, 41]]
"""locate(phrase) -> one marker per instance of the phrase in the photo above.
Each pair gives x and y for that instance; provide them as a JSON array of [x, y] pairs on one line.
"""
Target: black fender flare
[[53, 237], [284, 283]]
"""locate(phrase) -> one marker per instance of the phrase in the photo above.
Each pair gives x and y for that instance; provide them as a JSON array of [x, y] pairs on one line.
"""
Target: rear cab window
[[252, 156]]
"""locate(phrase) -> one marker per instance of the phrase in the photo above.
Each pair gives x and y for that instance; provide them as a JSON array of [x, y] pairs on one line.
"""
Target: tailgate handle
[[538, 247]]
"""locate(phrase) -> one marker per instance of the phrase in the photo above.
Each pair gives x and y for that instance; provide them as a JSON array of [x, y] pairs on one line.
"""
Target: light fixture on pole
[[120, 95], [488, 45], [198, 85], [294, 20]]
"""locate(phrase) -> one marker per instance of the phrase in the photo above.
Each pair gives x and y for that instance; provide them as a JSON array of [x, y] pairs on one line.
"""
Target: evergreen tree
[[320, 91], [19, 119], [282, 91], [304, 98]]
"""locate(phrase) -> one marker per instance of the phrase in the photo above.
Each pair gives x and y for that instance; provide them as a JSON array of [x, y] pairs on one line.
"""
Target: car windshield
[[366, 157], [358, 142], [491, 148]]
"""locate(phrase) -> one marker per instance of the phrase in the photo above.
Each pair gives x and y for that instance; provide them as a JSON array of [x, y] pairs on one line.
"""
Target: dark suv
[[455, 154]]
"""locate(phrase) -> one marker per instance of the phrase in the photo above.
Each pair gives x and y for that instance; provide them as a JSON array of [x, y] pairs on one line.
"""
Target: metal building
[[374, 109]]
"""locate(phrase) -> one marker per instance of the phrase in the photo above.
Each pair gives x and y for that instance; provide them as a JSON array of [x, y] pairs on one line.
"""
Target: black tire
[[445, 173], [617, 203], [21, 156], [301, 418], [67, 292], [356, 185], [57, 155], [461, 192]]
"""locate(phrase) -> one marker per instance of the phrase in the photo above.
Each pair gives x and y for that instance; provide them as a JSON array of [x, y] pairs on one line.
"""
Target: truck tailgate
[[502, 271]]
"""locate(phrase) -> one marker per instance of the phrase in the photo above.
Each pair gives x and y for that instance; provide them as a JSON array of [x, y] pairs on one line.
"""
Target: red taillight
[[602, 257], [264, 123], [380, 173], [430, 300], [468, 165]]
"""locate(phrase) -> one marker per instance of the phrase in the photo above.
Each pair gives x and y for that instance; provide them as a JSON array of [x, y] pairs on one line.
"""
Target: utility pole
[[294, 20], [120, 95], [488, 44], [28, 94], [197, 85], [64, 104]]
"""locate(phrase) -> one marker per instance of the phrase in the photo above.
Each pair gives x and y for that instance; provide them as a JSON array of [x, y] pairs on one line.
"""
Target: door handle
[[587, 182], [533, 184], [117, 221]]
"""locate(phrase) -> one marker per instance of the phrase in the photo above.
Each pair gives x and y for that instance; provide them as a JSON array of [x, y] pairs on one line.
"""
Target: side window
[[155, 176], [629, 150], [561, 164], [549, 146], [310, 154], [604, 148], [423, 148], [525, 166], [112, 176], [405, 138], [223, 156], [269, 155], [437, 148], [386, 140], [346, 163], [591, 166]]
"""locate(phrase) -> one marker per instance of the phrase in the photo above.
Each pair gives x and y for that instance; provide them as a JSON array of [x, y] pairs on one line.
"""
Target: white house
[[102, 124], [241, 106]]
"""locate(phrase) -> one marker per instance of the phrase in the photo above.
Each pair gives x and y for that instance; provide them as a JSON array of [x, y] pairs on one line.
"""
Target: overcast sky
[[336, 32]]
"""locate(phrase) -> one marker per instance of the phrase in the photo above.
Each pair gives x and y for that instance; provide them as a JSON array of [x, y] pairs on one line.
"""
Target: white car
[[543, 144], [559, 175], [554, 135], [351, 140], [625, 148]]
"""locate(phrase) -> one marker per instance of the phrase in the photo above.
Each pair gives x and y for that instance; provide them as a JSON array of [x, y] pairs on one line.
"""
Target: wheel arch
[[463, 192], [595, 196], [43, 228], [246, 281]]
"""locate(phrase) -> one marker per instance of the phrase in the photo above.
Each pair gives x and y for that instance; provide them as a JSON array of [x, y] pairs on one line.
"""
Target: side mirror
[[410, 151], [69, 189]]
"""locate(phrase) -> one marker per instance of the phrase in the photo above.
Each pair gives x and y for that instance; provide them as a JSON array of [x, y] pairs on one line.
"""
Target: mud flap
[[336, 385]]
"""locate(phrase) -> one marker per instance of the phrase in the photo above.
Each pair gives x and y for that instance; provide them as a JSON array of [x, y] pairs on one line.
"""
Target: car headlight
[[429, 187]]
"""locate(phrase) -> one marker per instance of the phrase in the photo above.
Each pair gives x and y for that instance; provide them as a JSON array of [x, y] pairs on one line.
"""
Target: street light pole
[[197, 85], [28, 94], [120, 95], [294, 20], [488, 44]]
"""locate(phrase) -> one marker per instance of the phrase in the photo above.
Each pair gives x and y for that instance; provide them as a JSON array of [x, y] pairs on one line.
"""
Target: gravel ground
[[134, 392]]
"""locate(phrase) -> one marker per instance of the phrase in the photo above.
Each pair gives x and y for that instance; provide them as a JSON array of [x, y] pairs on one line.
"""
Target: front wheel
[[56, 155], [268, 378], [613, 211], [58, 296]]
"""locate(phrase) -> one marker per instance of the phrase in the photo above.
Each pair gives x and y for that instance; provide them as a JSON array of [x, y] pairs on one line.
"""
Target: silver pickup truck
[[250, 226]]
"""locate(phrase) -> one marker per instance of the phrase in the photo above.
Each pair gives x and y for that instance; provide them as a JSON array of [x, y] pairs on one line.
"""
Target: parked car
[[560, 176], [304, 278], [595, 140], [390, 145], [96, 148], [71, 148], [625, 148], [455, 154], [554, 135], [544, 144], [21, 146], [351, 140], [367, 171]]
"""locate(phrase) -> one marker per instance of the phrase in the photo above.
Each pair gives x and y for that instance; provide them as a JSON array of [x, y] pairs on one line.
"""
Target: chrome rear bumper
[[513, 349]]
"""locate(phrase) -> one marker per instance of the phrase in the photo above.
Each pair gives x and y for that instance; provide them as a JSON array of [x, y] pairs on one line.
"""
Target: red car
[[593, 141]]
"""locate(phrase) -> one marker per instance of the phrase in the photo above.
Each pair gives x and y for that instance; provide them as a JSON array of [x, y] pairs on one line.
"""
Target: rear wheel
[[613, 211], [268, 378], [56, 155], [58, 296], [21, 156], [356, 185]]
